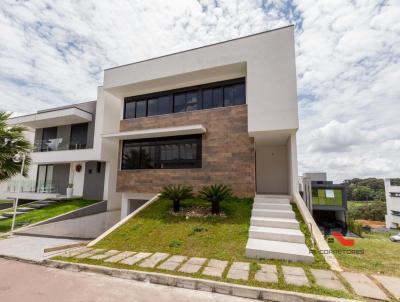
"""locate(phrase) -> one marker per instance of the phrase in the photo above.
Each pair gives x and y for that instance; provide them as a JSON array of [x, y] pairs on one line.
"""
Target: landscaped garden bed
[[44, 213], [157, 229]]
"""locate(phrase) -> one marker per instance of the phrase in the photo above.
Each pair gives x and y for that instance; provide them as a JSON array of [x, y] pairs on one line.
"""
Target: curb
[[193, 283]]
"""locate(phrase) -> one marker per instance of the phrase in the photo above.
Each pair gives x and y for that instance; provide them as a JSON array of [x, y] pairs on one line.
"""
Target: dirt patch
[[197, 211], [372, 223]]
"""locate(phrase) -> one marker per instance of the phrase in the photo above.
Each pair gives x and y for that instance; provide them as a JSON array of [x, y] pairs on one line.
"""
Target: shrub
[[176, 194], [355, 227], [215, 194]]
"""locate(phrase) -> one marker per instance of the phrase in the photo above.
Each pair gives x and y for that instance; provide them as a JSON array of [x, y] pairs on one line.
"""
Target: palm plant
[[215, 194], [12, 142], [176, 194]]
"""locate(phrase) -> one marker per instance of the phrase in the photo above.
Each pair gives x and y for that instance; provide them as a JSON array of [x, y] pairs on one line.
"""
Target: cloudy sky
[[348, 62]]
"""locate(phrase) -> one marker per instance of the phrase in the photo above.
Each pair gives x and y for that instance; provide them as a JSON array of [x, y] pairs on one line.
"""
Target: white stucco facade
[[392, 194], [265, 60]]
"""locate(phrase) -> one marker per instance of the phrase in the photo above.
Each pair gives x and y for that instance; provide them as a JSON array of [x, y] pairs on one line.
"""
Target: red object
[[343, 241]]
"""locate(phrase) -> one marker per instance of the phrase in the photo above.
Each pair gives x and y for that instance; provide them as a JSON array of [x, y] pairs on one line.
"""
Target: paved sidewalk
[[361, 284], [31, 247], [35, 283]]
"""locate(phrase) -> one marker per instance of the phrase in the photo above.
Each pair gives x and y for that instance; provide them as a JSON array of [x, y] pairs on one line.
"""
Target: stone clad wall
[[228, 154]]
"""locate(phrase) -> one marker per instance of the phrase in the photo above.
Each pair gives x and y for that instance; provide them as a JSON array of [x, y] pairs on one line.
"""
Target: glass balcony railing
[[57, 144], [32, 186], [327, 197]]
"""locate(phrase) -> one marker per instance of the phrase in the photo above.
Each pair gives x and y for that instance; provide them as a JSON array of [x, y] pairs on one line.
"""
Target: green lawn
[[156, 229], [380, 255], [45, 213]]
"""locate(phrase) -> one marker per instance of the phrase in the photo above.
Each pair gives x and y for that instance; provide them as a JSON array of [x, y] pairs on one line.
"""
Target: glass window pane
[[148, 157], [207, 98], [239, 94], [188, 151], [169, 152], [218, 97], [152, 107], [179, 102], [164, 105], [141, 108], [130, 157], [130, 109], [228, 96], [78, 137], [192, 101]]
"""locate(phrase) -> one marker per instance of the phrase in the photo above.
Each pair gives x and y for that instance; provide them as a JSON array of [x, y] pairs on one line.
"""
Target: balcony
[[57, 144], [32, 189]]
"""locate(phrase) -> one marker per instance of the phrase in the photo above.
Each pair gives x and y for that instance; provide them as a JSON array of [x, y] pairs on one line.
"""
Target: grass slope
[[380, 255], [45, 213], [157, 230]]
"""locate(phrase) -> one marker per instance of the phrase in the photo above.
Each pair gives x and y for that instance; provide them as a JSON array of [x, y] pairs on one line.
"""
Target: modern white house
[[224, 113], [392, 193]]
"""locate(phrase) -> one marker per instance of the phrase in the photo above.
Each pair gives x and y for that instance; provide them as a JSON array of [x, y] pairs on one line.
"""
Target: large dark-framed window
[[78, 139], [212, 95], [179, 152]]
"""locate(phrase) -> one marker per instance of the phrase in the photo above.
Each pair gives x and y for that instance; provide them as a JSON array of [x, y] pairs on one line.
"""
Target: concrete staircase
[[274, 231]]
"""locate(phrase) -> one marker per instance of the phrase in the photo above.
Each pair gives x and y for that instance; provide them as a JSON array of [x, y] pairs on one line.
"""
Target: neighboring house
[[328, 201], [66, 150], [392, 192], [225, 113]]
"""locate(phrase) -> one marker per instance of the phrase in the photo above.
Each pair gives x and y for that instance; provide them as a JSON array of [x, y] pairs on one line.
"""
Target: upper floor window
[[219, 94]]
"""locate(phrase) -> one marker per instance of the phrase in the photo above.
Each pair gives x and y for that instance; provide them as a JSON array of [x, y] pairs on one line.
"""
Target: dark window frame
[[171, 94], [164, 141]]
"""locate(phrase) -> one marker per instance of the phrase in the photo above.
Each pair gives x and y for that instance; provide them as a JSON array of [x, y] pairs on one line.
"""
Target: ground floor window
[[182, 152], [44, 180]]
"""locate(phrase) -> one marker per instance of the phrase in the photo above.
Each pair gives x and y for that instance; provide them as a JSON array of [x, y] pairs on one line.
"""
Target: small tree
[[215, 194], [176, 194], [12, 142]]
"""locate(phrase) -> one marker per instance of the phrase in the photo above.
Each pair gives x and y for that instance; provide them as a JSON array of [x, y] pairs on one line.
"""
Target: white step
[[273, 213], [274, 222], [277, 234], [271, 200], [269, 249], [272, 206]]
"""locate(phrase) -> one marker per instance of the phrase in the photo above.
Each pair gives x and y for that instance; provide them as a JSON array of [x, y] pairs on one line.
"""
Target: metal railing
[[31, 186], [56, 144]]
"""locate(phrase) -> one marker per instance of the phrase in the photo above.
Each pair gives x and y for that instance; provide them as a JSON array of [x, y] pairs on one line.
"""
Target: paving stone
[[74, 252], [392, 284], [363, 286], [295, 276], [154, 260], [119, 257], [239, 271], [136, 258], [90, 253], [327, 279], [193, 265], [105, 255], [215, 268], [172, 263], [267, 273]]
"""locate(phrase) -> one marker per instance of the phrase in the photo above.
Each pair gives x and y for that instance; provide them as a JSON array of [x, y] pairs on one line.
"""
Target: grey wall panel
[[93, 187], [61, 177]]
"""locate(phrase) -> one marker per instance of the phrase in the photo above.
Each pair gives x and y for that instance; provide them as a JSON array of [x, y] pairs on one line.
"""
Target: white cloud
[[348, 62]]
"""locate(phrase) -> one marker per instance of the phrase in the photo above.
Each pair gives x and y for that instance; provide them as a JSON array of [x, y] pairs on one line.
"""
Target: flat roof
[[204, 46]]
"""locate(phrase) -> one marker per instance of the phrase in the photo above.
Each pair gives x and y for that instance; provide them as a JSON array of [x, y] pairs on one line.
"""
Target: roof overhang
[[157, 132], [53, 118]]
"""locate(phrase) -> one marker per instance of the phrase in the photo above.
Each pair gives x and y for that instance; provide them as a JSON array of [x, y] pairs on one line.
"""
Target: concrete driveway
[[30, 247], [29, 282]]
